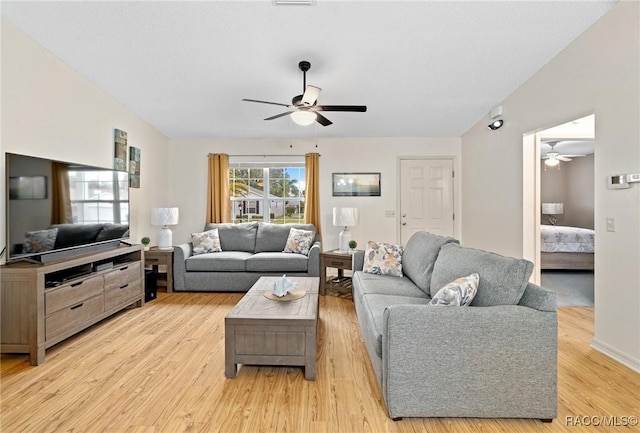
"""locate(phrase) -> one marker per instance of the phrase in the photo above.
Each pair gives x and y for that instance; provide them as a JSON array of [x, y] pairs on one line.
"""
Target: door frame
[[457, 182]]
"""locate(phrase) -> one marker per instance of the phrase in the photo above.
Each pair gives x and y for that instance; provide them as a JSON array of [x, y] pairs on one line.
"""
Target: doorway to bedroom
[[563, 196]]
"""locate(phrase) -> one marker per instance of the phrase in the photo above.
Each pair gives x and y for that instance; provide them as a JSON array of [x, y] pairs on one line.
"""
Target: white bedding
[[563, 239]]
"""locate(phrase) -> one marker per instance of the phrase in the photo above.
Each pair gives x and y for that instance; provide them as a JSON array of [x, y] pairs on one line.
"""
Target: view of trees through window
[[269, 194]]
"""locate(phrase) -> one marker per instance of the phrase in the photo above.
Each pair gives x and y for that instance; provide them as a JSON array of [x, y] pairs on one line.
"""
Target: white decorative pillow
[[458, 293], [206, 242], [383, 258], [39, 241], [299, 241]]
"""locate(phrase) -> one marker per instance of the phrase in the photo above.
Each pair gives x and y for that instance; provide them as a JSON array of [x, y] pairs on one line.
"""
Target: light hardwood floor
[[160, 368]]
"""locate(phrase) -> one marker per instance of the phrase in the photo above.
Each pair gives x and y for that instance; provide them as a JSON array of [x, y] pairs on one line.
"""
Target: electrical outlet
[[611, 224], [390, 213]]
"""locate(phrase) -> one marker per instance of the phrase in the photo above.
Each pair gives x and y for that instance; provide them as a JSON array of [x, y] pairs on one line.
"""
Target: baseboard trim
[[617, 355]]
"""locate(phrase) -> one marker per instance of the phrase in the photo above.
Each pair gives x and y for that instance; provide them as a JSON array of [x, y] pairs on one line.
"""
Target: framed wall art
[[356, 184], [120, 150]]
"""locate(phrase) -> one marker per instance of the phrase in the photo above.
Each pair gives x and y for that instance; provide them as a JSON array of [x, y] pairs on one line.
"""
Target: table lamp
[[345, 217], [552, 209], [164, 216]]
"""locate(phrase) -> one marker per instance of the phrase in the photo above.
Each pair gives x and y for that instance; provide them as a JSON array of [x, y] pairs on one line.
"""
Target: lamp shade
[[345, 216], [164, 216], [552, 208]]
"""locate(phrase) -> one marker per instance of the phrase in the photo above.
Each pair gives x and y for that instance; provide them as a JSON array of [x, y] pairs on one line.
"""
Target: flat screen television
[[57, 209]]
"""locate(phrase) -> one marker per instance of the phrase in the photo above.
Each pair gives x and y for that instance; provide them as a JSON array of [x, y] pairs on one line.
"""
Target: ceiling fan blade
[[323, 120], [355, 108], [310, 96], [573, 156], [563, 158], [266, 102], [279, 115]]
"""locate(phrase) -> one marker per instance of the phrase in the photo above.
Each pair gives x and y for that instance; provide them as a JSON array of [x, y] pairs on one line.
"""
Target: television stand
[[47, 303]]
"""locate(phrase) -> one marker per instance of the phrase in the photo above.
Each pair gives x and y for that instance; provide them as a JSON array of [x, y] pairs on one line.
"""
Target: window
[[268, 191], [99, 196]]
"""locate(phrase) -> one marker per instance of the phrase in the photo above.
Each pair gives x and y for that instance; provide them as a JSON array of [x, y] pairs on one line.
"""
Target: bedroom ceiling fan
[[304, 109], [553, 158]]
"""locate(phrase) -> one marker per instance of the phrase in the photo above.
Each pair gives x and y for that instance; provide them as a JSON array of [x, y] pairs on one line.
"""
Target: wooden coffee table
[[262, 331]]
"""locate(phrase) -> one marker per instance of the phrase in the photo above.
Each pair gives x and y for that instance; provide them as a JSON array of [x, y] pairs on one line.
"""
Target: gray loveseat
[[249, 251], [494, 359]]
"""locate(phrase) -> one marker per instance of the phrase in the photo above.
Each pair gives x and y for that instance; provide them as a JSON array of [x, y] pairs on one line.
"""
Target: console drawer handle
[[77, 306], [125, 268], [337, 263], [124, 287], [76, 284]]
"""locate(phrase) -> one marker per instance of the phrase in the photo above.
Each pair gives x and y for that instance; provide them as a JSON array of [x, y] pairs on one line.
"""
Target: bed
[[563, 247]]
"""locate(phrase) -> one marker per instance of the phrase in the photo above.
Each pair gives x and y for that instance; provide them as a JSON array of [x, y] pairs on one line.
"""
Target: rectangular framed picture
[[28, 188], [356, 184]]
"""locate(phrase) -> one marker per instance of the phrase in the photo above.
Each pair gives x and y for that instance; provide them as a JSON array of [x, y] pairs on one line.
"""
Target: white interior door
[[426, 197]]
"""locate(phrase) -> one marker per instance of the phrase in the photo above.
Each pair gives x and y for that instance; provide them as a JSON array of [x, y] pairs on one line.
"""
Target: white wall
[[51, 111], [189, 173], [598, 73]]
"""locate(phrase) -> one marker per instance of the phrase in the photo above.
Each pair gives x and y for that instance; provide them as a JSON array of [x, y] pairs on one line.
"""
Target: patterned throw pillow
[[206, 242], [458, 293], [383, 259], [39, 241], [299, 241]]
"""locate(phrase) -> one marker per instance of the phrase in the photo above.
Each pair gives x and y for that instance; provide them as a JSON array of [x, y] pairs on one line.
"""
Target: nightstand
[[340, 261], [155, 258]]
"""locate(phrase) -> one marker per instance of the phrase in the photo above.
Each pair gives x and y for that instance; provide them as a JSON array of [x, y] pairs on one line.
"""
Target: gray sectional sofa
[[494, 359], [249, 251]]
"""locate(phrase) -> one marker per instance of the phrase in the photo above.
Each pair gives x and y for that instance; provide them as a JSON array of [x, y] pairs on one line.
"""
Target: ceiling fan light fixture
[[303, 117], [294, 2], [551, 162]]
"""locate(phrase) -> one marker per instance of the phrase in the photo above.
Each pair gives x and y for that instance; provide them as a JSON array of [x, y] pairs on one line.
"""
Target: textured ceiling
[[425, 68]]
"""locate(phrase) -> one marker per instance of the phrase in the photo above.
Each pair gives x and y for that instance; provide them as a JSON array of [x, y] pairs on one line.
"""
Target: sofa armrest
[[495, 361], [180, 254], [536, 297], [313, 267], [358, 260]]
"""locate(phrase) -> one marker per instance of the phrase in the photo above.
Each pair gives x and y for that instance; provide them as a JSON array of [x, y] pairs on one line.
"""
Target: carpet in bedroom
[[573, 288]]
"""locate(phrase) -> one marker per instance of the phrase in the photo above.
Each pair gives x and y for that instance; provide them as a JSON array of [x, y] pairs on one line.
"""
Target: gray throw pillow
[[419, 257], [235, 237], [502, 279]]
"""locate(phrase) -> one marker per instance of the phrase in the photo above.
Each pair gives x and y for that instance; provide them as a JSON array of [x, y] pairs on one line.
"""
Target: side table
[[340, 261], [155, 258]]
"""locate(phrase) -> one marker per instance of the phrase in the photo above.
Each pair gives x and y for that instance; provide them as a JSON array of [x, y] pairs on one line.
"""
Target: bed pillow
[[458, 293], [39, 241], [299, 241], [206, 242], [383, 259]]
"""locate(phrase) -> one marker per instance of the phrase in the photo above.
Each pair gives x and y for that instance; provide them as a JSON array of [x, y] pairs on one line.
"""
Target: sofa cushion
[[71, 235], [273, 237], [236, 237], [420, 255], [225, 261], [299, 241], [374, 306], [458, 293], [502, 279], [112, 231], [277, 262], [372, 284], [383, 258], [206, 242]]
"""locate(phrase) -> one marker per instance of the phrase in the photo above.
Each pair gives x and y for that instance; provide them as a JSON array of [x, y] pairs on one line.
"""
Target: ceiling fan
[[304, 109], [553, 158]]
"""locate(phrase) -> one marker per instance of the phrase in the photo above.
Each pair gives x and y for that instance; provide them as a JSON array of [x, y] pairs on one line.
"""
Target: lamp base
[[343, 240], [165, 239]]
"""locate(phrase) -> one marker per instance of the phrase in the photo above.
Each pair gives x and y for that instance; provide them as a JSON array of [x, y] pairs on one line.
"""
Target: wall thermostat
[[633, 177], [617, 181]]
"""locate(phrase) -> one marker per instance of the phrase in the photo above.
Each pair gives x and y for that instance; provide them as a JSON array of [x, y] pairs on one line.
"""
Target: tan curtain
[[312, 193], [60, 194], [218, 200]]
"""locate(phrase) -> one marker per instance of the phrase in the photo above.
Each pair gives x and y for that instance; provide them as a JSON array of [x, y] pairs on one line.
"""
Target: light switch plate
[[611, 224]]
